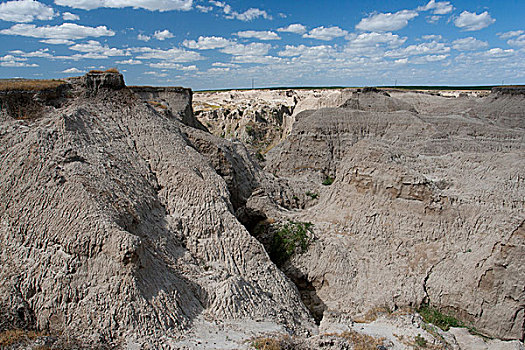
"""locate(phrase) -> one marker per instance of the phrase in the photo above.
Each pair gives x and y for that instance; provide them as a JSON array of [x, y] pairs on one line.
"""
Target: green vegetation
[[434, 316], [266, 343], [312, 195], [290, 238], [249, 130], [328, 181], [259, 156], [420, 341]]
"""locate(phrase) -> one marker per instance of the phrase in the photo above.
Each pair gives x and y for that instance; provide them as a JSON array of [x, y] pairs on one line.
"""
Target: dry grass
[[14, 336], [266, 343], [29, 85], [112, 70], [362, 341], [157, 104]]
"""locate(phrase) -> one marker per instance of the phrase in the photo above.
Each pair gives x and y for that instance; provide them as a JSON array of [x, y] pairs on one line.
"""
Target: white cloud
[[218, 70], [428, 59], [471, 21], [17, 64], [253, 49], [207, 43], [25, 11], [222, 64], [373, 39], [163, 35], [143, 37], [96, 49], [72, 70], [174, 54], [438, 8], [171, 65], [433, 19], [152, 5], [432, 47], [8, 58], [322, 33], [157, 74], [204, 9], [519, 41], [256, 59], [498, 53], [261, 35], [431, 37], [508, 35], [67, 31], [293, 28], [249, 15], [316, 52], [68, 16], [131, 61], [469, 44], [382, 22], [57, 41], [42, 53]]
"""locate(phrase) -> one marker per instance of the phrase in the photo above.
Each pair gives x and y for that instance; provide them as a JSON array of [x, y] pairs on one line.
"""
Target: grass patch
[[16, 336], [420, 341], [29, 85], [439, 319], [362, 341], [157, 104], [312, 195], [328, 181], [266, 343], [290, 238]]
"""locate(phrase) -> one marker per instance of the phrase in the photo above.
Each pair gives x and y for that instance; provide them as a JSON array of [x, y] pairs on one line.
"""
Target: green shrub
[[434, 316], [312, 195], [288, 239], [420, 341], [328, 181]]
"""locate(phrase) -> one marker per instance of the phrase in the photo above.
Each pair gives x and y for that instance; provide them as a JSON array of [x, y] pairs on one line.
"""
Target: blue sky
[[206, 44]]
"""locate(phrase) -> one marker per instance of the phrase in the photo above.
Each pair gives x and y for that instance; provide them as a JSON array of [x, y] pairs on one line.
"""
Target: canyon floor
[[149, 217]]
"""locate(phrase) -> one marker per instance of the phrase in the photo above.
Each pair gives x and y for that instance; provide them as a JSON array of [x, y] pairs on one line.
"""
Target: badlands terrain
[[145, 218]]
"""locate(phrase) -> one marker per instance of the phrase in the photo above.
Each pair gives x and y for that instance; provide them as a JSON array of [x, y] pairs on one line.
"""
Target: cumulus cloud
[[204, 9], [152, 5], [519, 41], [327, 34], [131, 61], [207, 43], [163, 35], [257, 59], [43, 53], [508, 35], [471, 21], [222, 64], [383, 22], [253, 49], [432, 47], [373, 39], [261, 35], [143, 37], [469, 44], [72, 70], [437, 8], [246, 16], [68, 16], [317, 52], [57, 41], [293, 28], [67, 31], [24, 11], [97, 50], [171, 65], [431, 37], [498, 52], [174, 54], [249, 15]]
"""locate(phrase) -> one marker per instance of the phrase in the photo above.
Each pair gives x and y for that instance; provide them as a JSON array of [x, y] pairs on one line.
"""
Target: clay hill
[[145, 217]]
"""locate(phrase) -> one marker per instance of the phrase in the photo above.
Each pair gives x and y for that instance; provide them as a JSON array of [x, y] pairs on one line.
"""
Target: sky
[[211, 44]]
